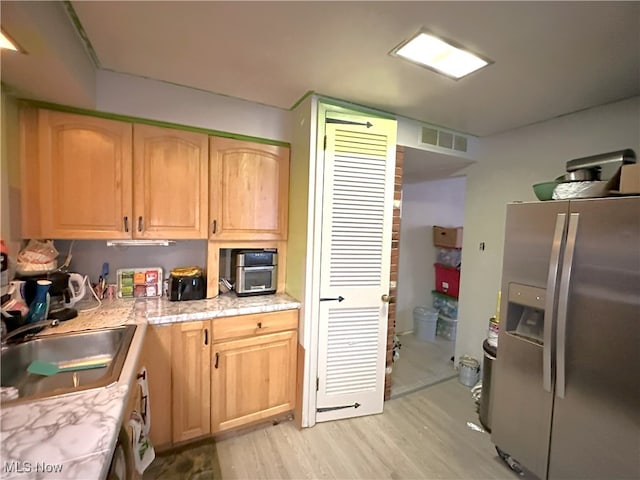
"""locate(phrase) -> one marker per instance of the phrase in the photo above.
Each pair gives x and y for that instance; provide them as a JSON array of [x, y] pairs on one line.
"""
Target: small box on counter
[[139, 278], [139, 282], [447, 237], [630, 178]]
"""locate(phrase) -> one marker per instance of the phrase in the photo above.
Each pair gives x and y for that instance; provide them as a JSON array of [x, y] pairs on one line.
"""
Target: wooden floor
[[421, 364], [422, 435]]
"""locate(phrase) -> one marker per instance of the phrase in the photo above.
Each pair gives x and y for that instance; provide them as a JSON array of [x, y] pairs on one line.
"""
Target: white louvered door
[[359, 169]]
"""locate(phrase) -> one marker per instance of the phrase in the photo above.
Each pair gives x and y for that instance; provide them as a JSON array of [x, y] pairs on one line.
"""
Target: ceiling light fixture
[[439, 55], [7, 43]]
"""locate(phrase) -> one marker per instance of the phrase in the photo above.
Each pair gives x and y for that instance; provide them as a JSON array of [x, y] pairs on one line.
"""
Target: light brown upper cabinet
[[170, 183], [95, 178], [76, 180], [249, 190]]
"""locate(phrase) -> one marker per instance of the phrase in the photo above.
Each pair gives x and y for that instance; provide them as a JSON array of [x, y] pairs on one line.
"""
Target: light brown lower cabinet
[[156, 357], [252, 379], [215, 375], [191, 378]]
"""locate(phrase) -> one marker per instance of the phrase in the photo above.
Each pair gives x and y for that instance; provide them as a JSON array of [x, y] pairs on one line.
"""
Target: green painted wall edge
[[302, 99], [146, 121], [81, 31], [346, 105], [355, 108]]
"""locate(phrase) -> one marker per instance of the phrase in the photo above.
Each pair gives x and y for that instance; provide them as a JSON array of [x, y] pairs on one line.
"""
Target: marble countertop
[[161, 311], [73, 436]]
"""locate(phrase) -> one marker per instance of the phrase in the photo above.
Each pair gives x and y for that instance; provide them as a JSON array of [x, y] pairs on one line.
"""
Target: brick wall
[[393, 280]]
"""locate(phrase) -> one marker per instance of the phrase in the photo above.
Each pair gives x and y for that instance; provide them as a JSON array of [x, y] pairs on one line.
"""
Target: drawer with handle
[[255, 324]]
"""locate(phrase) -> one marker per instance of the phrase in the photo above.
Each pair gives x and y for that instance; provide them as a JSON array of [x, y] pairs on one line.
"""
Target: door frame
[[311, 305]]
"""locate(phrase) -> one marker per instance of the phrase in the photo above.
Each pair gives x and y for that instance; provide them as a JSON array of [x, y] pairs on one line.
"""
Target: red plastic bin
[[447, 280]]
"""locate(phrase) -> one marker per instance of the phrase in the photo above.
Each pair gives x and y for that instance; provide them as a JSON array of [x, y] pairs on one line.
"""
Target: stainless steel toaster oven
[[256, 272]]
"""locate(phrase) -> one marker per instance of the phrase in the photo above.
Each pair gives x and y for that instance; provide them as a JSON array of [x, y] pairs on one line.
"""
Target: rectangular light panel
[[432, 52]]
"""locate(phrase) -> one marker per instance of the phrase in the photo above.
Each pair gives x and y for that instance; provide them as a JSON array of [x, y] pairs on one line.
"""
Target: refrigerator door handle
[[563, 303], [549, 310]]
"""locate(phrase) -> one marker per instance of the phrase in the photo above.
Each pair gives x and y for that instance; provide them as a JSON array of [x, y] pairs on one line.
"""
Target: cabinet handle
[[206, 336], [140, 224], [214, 226], [126, 224], [259, 324], [217, 359]]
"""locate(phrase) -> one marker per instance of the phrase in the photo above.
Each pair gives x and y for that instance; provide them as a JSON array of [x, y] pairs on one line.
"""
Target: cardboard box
[[630, 178], [447, 237]]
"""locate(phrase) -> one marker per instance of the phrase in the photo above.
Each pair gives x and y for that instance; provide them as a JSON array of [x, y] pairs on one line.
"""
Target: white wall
[[437, 202], [152, 99], [300, 247], [56, 68], [89, 255], [508, 164]]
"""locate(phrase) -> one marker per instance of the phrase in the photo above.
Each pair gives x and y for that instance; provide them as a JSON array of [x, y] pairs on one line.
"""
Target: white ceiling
[[551, 58], [422, 166]]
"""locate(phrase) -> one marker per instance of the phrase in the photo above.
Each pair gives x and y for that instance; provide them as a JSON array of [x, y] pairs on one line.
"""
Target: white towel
[[140, 423], [143, 452]]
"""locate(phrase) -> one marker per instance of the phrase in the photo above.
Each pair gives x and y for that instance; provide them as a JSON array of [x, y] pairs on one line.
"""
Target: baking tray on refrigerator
[[139, 282]]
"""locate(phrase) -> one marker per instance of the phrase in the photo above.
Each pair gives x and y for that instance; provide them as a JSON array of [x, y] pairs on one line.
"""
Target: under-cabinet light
[[432, 52], [139, 243]]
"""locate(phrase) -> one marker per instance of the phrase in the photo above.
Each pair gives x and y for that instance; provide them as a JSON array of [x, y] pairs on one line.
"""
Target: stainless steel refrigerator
[[566, 384]]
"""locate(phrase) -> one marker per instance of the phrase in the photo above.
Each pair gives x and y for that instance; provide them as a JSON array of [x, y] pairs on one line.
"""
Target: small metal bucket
[[469, 370]]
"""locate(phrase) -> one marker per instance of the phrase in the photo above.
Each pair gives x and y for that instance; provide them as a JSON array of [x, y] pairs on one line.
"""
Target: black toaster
[[187, 283]]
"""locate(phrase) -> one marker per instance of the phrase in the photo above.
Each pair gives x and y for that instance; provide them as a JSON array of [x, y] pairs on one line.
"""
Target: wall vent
[[445, 140], [430, 136], [440, 138], [460, 143]]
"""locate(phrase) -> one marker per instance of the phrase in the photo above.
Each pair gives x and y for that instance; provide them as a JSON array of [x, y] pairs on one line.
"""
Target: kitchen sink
[[111, 344]]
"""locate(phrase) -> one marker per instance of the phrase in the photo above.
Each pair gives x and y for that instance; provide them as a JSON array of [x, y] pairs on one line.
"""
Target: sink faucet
[[26, 328]]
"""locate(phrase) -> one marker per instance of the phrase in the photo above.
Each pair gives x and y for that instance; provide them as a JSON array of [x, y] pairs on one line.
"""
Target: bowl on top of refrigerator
[[544, 190]]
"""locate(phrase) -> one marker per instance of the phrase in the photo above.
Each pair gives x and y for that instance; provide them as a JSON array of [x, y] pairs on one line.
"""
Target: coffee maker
[[59, 294]]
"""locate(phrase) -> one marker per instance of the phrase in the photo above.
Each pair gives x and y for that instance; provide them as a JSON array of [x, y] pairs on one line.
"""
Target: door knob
[[388, 298]]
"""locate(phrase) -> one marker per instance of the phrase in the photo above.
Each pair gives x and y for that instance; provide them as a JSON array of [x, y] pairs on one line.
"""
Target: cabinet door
[[170, 183], [85, 176], [191, 379], [156, 357], [249, 190], [252, 379], [135, 403]]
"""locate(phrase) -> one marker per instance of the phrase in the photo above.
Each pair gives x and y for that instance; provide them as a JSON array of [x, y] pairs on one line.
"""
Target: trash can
[[490, 353], [424, 323]]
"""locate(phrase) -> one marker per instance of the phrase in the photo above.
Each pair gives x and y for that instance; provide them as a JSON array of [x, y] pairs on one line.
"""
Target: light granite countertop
[[74, 436]]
